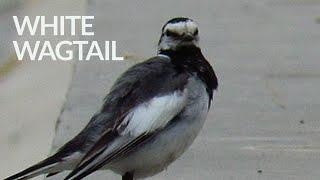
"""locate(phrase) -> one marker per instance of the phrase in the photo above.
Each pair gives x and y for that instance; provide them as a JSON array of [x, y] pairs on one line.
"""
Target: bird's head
[[178, 32]]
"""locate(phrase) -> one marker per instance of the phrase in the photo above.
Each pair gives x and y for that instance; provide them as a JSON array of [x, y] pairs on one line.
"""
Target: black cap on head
[[176, 20]]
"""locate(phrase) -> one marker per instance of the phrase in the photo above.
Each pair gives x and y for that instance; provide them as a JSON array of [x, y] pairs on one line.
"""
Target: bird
[[149, 118]]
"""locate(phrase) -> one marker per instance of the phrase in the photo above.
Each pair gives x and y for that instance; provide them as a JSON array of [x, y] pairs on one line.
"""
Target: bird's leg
[[127, 176]]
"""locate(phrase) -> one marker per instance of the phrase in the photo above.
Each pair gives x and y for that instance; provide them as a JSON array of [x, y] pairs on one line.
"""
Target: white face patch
[[175, 34], [184, 27]]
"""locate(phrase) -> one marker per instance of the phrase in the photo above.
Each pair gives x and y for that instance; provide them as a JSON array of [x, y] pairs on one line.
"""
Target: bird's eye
[[172, 34], [196, 32]]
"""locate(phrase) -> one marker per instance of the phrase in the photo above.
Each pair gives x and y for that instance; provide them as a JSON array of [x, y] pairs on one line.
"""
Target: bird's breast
[[155, 155]]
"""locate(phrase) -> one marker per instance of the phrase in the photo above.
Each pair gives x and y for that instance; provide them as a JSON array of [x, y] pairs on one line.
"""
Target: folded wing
[[144, 100]]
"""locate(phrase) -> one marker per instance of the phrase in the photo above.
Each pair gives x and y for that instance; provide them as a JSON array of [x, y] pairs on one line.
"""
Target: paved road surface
[[265, 121]]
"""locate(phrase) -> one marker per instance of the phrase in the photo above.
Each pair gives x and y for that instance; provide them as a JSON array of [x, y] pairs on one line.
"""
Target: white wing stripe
[[155, 113]]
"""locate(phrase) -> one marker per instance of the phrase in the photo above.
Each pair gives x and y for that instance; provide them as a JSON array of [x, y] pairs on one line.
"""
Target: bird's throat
[[183, 53]]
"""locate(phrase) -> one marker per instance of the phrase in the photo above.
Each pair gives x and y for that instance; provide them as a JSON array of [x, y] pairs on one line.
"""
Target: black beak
[[188, 37]]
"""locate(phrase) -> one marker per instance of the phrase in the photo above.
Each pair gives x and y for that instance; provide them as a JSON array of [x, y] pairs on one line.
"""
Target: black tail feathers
[[42, 167]]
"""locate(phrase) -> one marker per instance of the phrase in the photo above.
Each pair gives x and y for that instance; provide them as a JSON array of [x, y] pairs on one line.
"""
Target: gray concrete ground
[[265, 120], [32, 93]]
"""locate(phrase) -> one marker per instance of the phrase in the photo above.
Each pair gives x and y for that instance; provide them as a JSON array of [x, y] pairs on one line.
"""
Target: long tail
[[46, 166]]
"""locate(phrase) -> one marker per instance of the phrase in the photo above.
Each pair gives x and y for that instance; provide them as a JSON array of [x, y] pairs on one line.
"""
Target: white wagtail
[[151, 115]]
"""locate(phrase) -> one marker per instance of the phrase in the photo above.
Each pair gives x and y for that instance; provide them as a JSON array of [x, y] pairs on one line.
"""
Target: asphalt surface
[[265, 120]]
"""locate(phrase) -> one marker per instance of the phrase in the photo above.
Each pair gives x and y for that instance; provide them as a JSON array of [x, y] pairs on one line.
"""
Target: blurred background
[[265, 121], [31, 93]]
